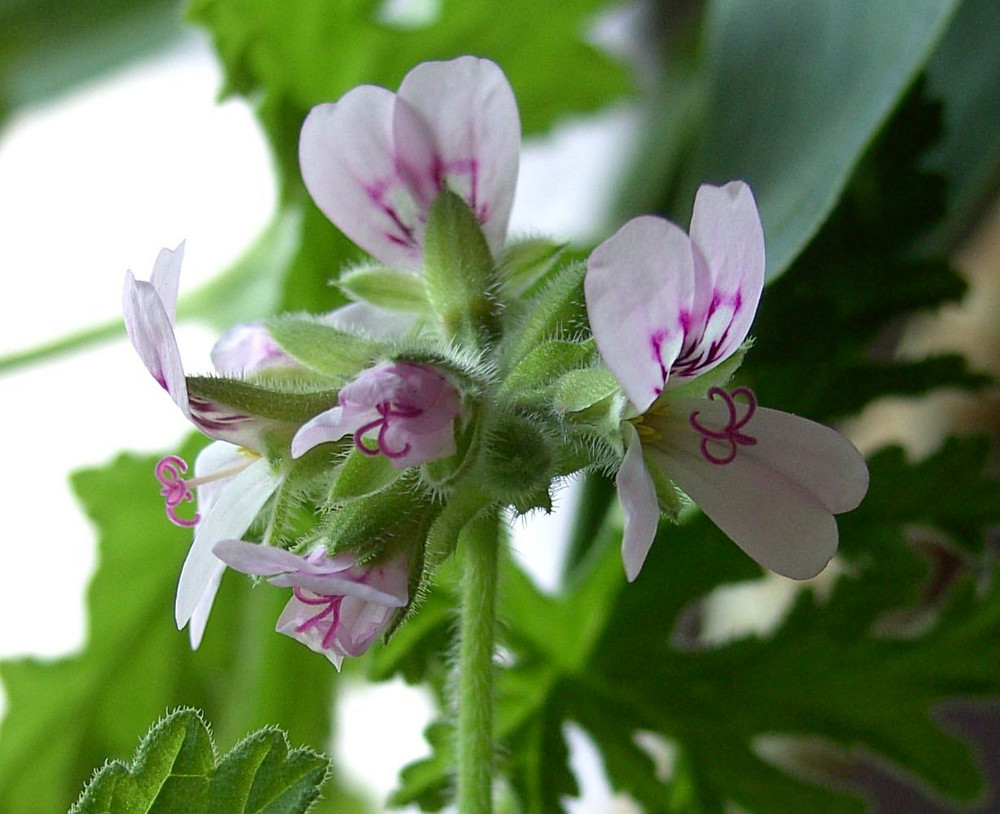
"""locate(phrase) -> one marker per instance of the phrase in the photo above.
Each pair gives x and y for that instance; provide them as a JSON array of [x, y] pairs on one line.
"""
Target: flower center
[[331, 606], [720, 446], [387, 411], [176, 489]]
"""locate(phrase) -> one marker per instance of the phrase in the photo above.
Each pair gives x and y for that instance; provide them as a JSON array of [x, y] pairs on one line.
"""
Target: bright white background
[[97, 183]]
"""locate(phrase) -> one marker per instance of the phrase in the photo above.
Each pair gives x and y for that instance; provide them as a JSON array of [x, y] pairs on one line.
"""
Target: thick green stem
[[480, 541]]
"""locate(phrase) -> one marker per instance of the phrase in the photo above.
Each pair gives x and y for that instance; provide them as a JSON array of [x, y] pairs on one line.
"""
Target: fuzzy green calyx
[[327, 350], [523, 265], [285, 404], [518, 459], [386, 288], [459, 271], [397, 515]]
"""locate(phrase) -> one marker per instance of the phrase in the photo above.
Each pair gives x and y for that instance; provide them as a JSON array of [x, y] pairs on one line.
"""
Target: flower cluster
[[463, 367]]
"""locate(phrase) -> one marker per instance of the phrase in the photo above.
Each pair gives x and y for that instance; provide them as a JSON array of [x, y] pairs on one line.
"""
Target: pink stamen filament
[[729, 436], [332, 604], [386, 410], [176, 489]]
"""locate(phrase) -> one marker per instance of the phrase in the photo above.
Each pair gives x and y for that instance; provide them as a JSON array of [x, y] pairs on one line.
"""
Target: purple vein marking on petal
[[656, 341], [693, 357], [470, 167], [376, 194]]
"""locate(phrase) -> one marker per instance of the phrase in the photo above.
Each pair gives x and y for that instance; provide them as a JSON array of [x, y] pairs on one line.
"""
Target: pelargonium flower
[[232, 478], [375, 161], [404, 411], [338, 607], [665, 309]]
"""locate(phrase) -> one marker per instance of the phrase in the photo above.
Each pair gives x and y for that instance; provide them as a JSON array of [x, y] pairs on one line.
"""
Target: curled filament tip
[[176, 490]]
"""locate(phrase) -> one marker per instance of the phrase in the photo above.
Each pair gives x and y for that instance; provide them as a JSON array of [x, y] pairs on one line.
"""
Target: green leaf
[[170, 771], [135, 663], [792, 95], [291, 56], [859, 276], [175, 770], [395, 290], [964, 73]]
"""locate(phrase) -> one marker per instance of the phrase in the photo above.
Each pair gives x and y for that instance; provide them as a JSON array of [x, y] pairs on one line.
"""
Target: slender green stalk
[[480, 541]]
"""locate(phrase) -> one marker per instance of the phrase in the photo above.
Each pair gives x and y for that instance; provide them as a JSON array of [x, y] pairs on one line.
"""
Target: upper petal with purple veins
[[149, 309], [664, 305], [728, 240], [375, 161], [640, 288]]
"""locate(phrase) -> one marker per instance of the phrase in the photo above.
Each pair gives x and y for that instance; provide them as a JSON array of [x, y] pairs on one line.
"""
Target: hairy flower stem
[[480, 539]]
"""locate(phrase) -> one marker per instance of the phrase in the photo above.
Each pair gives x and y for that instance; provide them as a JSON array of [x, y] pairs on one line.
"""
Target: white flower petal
[[640, 288], [199, 618], [350, 167], [229, 517], [776, 498], [469, 108], [642, 512]]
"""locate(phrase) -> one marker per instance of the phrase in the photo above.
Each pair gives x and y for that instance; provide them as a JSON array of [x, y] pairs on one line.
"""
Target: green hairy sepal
[[337, 354], [526, 264], [519, 453], [459, 272], [287, 403], [372, 524], [386, 288]]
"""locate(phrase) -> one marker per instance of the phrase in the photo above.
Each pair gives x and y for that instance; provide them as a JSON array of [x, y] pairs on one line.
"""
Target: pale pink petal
[[403, 410], [360, 624], [727, 236], [469, 108], [232, 511], [370, 320], [349, 165], [331, 425], [151, 330], [256, 559], [642, 511], [777, 496], [248, 348], [296, 615], [424, 447], [640, 288]]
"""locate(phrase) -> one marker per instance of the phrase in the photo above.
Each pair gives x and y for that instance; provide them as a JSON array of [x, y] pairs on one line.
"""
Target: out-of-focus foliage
[[175, 771], [66, 717], [48, 47], [794, 98]]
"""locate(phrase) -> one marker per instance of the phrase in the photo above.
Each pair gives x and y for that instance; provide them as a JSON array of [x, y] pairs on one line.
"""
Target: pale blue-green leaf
[[795, 92], [964, 73]]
